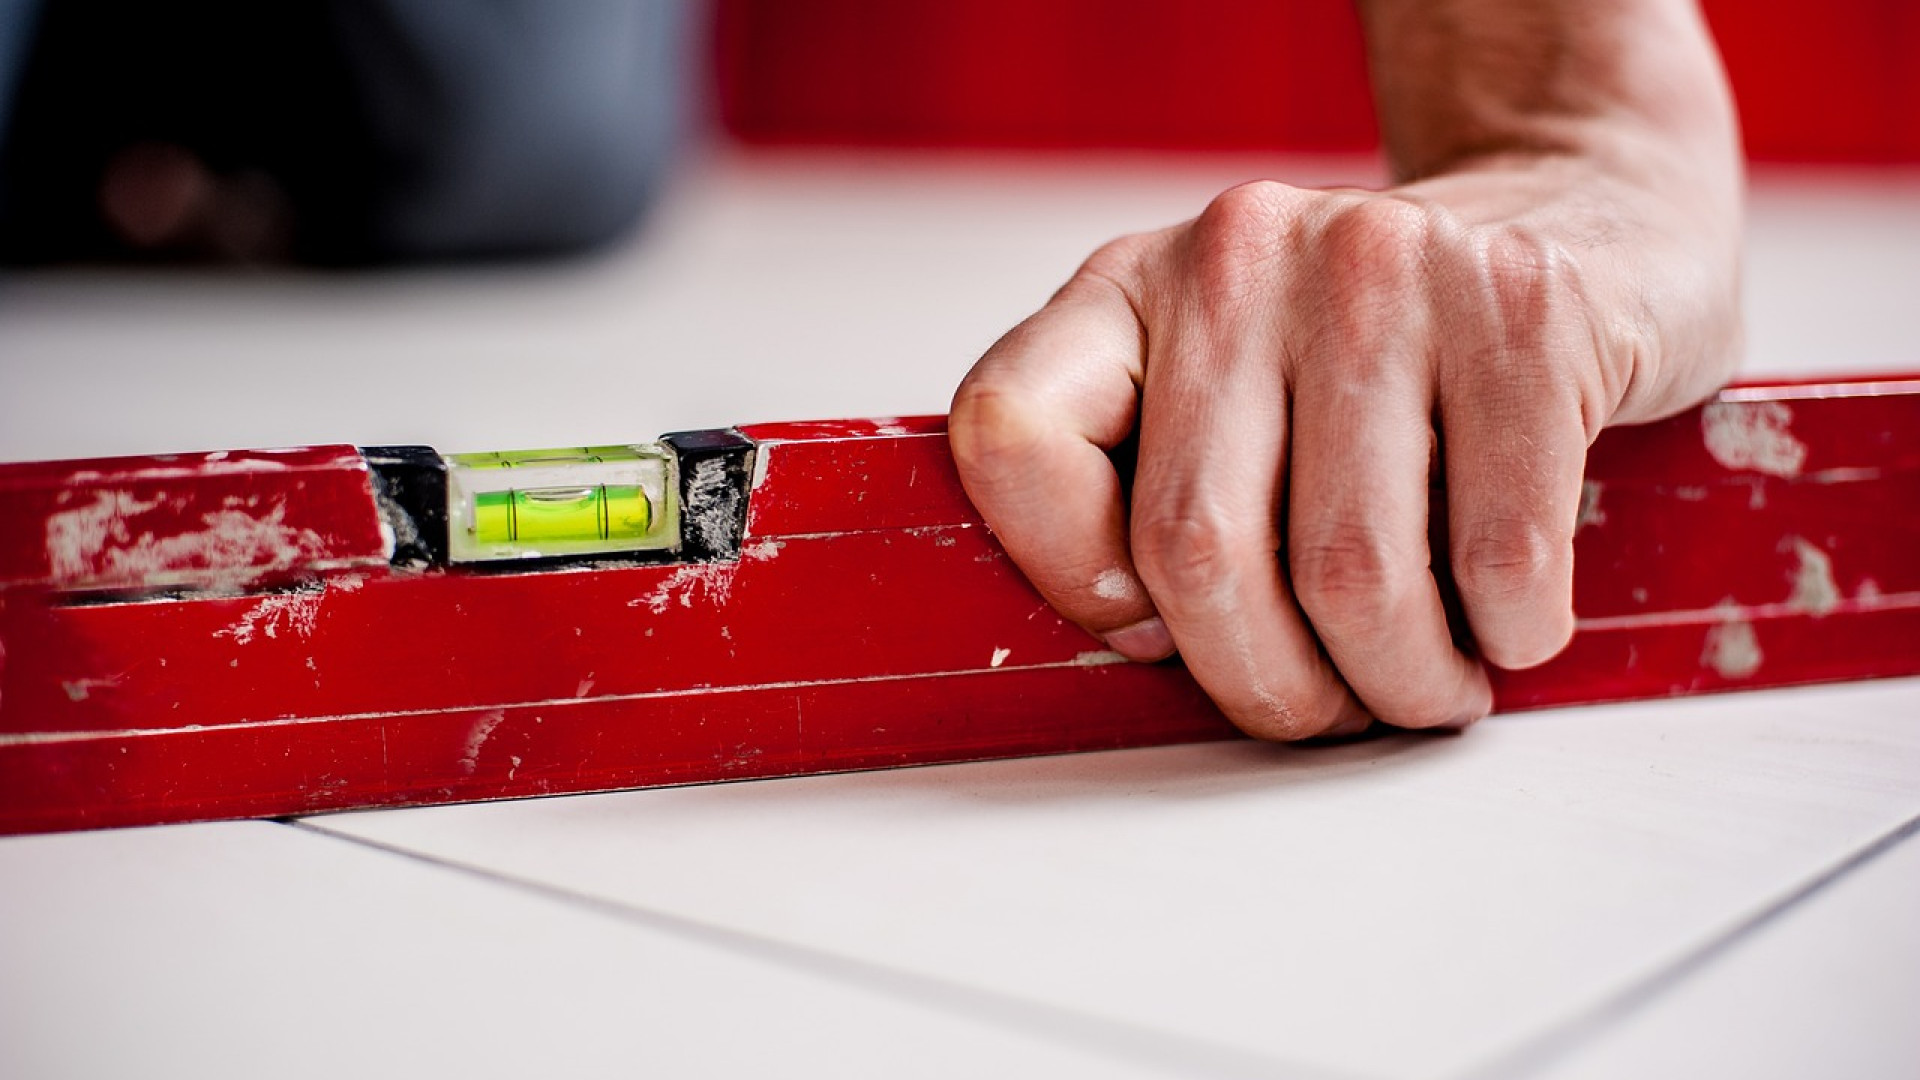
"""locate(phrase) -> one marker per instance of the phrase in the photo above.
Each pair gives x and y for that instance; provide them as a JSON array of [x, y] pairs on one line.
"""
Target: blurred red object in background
[[1840, 83]]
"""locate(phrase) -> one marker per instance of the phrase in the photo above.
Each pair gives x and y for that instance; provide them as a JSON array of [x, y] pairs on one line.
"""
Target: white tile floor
[[1718, 887]]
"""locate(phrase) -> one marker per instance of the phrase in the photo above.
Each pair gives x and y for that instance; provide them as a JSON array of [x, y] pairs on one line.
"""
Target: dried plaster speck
[[1753, 435], [1732, 649], [81, 689], [757, 475], [1114, 584], [1590, 511], [397, 527], [761, 550], [713, 506], [294, 612], [76, 538], [98, 541], [1814, 590], [710, 581]]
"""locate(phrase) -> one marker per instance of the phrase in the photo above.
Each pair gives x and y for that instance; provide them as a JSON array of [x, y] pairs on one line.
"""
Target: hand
[[1300, 366]]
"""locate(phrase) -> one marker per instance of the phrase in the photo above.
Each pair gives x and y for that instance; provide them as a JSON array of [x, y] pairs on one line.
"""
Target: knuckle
[[1185, 555], [1349, 577], [1507, 560], [1384, 242], [1521, 259], [1524, 276], [1234, 241], [1256, 206], [992, 428]]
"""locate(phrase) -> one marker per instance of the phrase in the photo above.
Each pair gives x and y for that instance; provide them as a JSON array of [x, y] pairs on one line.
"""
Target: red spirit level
[[279, 632]]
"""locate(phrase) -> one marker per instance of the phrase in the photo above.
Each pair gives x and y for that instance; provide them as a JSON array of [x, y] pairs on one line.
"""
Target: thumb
[[1031, 428]]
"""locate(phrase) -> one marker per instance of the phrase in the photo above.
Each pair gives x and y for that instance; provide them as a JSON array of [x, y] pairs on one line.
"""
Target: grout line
[[1135, 1044], [1561, 1040]]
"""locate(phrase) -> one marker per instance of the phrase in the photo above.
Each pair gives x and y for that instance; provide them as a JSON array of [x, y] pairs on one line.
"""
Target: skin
[[1304, 368]]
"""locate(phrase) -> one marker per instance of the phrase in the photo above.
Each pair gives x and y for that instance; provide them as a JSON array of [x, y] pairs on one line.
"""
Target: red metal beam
[[868, 620]]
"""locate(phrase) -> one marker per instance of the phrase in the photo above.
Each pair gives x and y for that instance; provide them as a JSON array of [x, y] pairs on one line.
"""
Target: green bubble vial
[[575, 501]]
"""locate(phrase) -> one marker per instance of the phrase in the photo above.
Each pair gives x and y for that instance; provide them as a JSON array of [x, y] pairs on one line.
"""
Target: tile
[[1830, 988], [1409, 907], [253, 949]]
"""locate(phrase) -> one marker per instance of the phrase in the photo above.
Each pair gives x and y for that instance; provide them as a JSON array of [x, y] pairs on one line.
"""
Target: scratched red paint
[[871, 621], [846, 476], [242, 515]]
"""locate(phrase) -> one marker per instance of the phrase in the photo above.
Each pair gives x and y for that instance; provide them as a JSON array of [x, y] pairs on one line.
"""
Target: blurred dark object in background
[[1832, 82], [353, 131], [334, 131]]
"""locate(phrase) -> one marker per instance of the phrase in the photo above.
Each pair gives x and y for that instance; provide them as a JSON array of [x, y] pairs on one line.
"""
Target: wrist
[[1655, 253]]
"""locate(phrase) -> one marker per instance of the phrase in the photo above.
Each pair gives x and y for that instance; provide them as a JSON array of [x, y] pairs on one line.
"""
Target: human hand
[[1297, 365]]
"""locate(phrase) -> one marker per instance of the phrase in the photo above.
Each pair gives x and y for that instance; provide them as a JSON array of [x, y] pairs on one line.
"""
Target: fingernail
[[1145, 640], [1356, 724]]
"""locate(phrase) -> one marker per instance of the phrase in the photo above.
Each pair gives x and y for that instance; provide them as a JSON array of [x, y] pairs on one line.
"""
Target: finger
[[1357, 534], [1206, 508], [1030, 429], [1515, 448]]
